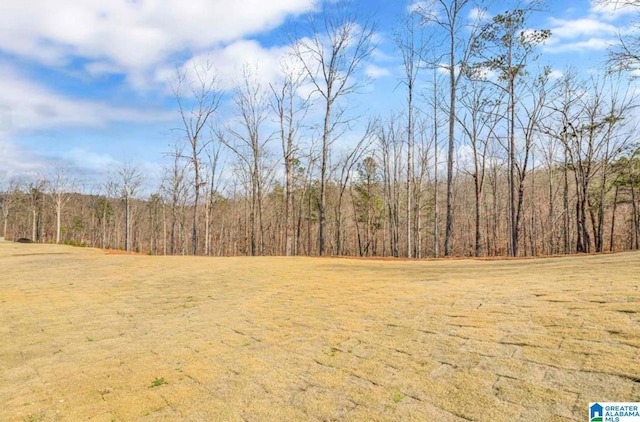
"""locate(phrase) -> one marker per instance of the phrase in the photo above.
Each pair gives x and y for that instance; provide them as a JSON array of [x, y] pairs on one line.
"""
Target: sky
[[86, 84]]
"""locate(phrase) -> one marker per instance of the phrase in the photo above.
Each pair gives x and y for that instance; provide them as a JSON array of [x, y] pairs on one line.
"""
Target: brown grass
[[90, 336]]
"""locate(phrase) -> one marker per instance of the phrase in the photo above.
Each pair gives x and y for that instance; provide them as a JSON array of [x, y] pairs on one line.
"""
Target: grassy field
[[90, 336]]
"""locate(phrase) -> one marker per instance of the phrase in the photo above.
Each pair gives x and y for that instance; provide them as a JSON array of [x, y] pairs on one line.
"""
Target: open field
[[89, 336]]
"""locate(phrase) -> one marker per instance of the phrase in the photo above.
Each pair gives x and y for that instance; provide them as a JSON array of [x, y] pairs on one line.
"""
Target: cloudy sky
[[87, 82]]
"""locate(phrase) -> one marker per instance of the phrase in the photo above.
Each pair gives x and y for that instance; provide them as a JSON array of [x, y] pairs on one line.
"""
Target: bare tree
[[290, 109], [457, 33], [344, 170], [617, 137], [175, 188], [331, 56], [390, 149], [9, 199], [60, 185], [566, 110], [505, 45], [249, 145], [36, 197], [432, 99], [478, 119], [129, 180], [213, 178], [592, 138], [155, 207], [197, 107], [411, 40]]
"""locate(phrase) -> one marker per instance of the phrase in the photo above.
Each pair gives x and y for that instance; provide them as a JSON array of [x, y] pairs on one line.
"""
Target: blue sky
[[86, 83]]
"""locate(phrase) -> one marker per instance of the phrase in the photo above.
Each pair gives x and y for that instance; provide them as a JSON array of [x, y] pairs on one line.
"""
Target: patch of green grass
[[157, 382], [89, 339], [397, 397]]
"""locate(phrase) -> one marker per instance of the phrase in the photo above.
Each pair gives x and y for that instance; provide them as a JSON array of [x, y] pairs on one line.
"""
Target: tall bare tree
[[505, 45], [478, 118], [197, 94], [214, 180], [343, 171], [36, 195], [250, 146], [60, 185], [335, 48], [389, 147], [175, 188], [290, 108], [9, 200], [592, 138], [410, 38], [456, 36], [129, 180]]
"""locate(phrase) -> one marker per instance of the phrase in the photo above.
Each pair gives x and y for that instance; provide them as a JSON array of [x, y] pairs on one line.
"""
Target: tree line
[[490, 155]]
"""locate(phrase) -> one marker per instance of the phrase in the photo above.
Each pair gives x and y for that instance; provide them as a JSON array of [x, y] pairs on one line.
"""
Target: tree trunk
[[478, 237], [634, 219], [288, 207], [566, 205], [452, 125], [513, 219], [323, 179], [58, 218], [613, 219]]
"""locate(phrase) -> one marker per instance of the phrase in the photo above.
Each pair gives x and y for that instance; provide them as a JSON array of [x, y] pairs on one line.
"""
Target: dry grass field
[[90, 336]]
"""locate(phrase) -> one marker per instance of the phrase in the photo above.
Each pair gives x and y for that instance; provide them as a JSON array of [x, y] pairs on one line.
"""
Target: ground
[[89, 336]]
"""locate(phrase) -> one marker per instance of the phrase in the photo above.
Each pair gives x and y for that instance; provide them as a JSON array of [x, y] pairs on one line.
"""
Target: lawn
[[89, 336]]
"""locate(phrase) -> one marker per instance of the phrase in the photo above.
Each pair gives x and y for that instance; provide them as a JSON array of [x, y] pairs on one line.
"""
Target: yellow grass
[[89, 336]]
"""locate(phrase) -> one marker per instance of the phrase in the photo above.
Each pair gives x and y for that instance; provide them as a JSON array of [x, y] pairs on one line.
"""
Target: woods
[[521, 160]]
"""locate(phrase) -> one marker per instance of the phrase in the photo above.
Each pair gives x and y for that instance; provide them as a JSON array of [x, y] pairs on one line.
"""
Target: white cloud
[[27, 106], [18, 161], [375, 72], [563, 28], [226, 63], [81, 158], [479, 15], [590, 45], [417, 6], [132, 36], [556, 74], [88, 168], [591, 33], [428, 10]]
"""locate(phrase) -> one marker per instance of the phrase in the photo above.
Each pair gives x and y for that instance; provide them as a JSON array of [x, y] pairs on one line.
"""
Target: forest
[[491, 154]]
